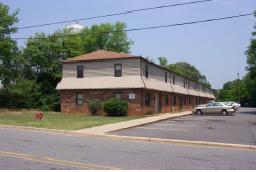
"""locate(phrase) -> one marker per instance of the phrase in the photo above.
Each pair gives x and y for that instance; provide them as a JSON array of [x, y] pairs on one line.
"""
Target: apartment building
[[148, 88]]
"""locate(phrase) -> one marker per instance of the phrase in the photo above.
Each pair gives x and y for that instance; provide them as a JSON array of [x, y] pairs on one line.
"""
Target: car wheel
[[199, 112], [224, 112]]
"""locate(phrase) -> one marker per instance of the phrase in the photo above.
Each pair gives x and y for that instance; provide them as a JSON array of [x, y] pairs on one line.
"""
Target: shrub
[[50, 102], [20, 94], [94, 106], [116, 107]]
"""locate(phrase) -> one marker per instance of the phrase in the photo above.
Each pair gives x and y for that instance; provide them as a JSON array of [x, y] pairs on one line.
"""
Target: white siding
[[103, 68], [179, 80], [155, 72]]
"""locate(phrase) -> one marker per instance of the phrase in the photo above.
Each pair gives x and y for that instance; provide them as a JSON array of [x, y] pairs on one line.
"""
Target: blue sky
[[217, 49]]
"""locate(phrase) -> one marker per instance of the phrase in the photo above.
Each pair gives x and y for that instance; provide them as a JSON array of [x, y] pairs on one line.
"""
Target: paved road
[[239, 128], [20, 149]]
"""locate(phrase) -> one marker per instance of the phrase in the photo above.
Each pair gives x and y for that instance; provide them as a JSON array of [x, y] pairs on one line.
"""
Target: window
[[147, 99], [118, 70], [179, 100], [165, 76], [118, 95], [166, 99], [146, 71], [79, 98], [173, 79], [80, 71]]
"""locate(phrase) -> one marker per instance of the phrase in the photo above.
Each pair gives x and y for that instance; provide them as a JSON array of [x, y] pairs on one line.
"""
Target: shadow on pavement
[[248, 111]]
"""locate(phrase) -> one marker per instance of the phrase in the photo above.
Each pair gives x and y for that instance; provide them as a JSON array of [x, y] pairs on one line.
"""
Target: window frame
[[121, 95], [165, 77], [116, 74], [80, 71], [79, 99]]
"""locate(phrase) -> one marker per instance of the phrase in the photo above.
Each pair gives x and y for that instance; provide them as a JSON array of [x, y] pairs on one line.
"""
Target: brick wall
[[135, 107], [68, 100]]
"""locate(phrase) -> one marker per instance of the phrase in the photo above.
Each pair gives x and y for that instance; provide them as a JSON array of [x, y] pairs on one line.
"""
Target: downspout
[[142, 98], [172, 93]]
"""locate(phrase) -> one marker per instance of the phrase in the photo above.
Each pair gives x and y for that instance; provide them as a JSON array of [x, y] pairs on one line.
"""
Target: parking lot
[[239, 128]]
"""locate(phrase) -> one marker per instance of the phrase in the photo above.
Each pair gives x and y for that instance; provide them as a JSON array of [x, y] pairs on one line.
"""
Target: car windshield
[[209, 104], [217, 104]]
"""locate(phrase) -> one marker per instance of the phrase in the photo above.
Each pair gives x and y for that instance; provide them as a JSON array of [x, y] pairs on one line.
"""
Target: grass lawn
[[57, 120]]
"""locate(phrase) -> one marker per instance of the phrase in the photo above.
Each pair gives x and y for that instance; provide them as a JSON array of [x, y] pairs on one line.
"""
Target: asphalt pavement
[[239, 128], [23, 149]]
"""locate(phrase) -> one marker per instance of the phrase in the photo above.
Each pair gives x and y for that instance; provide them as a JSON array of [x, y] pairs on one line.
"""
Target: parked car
[[235, 105], [216, 107]]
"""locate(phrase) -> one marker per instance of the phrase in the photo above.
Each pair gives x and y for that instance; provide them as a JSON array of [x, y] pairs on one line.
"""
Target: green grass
[[57, 120]]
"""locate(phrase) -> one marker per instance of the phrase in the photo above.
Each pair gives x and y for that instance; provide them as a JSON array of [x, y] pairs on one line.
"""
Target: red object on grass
[[39, 116]]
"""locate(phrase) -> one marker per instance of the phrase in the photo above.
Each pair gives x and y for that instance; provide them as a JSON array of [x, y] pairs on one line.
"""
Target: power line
[[146, 28], [114, 14]]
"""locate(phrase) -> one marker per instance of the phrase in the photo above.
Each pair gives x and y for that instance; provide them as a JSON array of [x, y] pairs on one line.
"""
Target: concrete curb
[[183, 142], [99, 130]]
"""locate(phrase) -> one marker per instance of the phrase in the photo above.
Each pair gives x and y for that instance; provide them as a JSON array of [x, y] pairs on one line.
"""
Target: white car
[[216, 107], [235, 105]]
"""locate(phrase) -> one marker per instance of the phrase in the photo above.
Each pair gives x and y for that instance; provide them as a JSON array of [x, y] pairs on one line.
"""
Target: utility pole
[[238, 87]]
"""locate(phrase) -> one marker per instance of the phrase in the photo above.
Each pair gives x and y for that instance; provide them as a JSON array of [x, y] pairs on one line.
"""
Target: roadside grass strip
[[58, 120]]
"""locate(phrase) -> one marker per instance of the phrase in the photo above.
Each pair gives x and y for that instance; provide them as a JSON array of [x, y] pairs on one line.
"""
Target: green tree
[[9, 54], [111, 37], [189, 71], [234, 91], [163, 61], [251, 68], [43, 54]]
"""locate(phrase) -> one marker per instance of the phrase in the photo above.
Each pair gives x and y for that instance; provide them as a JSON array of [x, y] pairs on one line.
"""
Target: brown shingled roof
[[97, 55]]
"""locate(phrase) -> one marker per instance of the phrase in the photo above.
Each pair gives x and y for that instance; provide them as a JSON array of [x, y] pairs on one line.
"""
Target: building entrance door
[[180, 102], [158, 98]]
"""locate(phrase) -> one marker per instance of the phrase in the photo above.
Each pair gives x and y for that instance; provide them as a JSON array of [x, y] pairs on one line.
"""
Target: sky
[[217, 49]]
